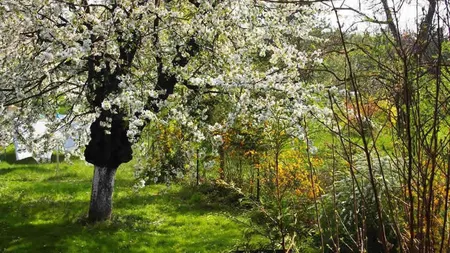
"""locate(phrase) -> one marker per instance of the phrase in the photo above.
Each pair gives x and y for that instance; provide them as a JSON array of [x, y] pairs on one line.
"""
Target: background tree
[[390, 106]]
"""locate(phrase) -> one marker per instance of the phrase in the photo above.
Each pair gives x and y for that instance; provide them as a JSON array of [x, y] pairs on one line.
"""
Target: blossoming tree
[[113, 64]]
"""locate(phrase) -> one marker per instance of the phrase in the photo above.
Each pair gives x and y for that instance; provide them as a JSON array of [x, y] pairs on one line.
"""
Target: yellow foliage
[[294, 175]]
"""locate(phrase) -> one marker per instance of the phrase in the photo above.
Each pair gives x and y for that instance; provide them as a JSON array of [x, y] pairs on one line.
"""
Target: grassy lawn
[[42, 209]]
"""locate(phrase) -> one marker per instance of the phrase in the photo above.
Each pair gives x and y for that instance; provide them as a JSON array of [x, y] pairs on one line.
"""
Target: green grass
[[42, 209]]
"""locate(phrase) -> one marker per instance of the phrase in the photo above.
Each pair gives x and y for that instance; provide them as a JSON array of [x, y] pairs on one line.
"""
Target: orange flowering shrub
[[294, 174]]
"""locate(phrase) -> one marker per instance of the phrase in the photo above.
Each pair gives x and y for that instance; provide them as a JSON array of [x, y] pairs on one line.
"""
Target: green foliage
[[163, 153]]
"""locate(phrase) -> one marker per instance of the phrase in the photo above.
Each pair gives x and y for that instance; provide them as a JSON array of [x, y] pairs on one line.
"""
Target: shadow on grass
[[58, 237], [61, 176], [46, 224], [4, 171], [49, 225], [182, 200], [39, 178]]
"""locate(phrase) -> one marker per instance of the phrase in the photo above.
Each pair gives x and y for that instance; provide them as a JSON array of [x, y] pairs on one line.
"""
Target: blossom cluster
[[247, 49]]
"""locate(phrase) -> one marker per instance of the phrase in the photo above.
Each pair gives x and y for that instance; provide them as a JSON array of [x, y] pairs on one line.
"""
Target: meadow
[[43, 209]]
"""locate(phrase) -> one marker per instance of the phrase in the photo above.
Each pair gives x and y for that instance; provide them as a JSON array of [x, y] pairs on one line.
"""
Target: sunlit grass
[[42, 209]]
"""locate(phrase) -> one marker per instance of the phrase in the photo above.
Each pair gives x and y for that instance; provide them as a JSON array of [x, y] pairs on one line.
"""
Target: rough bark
[[100, 208]]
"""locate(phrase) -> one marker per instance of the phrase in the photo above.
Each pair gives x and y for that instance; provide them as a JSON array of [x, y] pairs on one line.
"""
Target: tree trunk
[[100, 208], [198, 168], [258, 185], [222, 162]]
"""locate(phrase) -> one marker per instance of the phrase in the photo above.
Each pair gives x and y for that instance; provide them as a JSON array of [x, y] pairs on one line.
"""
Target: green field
[[43, 209]]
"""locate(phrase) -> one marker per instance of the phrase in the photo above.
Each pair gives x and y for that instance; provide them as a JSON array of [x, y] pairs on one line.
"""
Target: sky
[[407, 13]]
